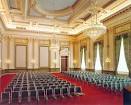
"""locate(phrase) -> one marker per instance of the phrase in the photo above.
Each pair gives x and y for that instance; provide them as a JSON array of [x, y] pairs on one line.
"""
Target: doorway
[[64, 63]]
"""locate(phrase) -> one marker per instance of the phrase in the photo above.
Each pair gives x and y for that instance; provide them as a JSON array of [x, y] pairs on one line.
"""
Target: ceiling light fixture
[[96, 28], [54, 42]]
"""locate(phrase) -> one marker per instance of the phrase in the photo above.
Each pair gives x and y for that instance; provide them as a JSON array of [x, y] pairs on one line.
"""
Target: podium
[[127, 95]]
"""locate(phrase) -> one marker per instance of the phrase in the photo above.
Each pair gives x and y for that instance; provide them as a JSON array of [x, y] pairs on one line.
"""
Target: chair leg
[[46, 98]]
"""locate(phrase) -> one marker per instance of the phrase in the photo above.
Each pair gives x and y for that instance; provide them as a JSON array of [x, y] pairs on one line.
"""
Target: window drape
[[83, 58], [98, 66], [117, 50], [101, 53], [122, 64], [95, 50], [127, 48]]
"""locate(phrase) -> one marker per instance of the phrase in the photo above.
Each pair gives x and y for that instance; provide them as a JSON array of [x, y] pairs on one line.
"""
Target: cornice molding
[[32, 35]]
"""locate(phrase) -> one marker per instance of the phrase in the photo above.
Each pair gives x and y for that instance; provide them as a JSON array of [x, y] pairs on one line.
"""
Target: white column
[[36, 53], [54, 59], [12, 53], [30, 65], [4, 52], [91, 55], [79, 60], [57, 59], [71, 56], [111, 50], [51, 58], [88, 54]]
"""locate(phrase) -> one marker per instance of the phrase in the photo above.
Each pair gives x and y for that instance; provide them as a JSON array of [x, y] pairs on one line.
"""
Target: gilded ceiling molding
[[117, 14], [64, 44], [38, 36], [122, 28]]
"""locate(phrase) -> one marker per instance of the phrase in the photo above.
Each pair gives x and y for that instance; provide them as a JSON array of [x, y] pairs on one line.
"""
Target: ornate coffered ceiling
[[67, 15]]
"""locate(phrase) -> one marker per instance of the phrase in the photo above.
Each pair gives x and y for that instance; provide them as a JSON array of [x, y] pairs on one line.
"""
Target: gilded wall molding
[[122, 28], [44, 42], [21, 41]]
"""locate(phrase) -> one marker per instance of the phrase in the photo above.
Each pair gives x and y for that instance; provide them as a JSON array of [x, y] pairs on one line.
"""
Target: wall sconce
[[107, 60], [8, 61], [54, 61], [89, 61], [74, 62], [33, 61]]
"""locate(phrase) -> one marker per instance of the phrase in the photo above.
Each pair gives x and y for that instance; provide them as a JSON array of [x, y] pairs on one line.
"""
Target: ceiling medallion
[[54, 7], [96, 28]]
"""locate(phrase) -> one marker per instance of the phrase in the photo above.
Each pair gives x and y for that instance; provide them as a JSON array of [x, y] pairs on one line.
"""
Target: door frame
[[67, 62]]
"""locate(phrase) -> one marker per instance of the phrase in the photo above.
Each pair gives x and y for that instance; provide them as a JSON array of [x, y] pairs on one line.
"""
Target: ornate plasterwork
[[53, 8], [71, 24]]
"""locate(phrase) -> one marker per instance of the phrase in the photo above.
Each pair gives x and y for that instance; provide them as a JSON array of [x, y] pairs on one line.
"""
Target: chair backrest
[[49, 92], [24, 88], [32, 88], [16, 89], [5, 97], [78, 90], [72, 89], [65, 90], [33, 93], [57, 91], [15, 95], [39, 88], [24, 93], [41, 93], [8, 90]]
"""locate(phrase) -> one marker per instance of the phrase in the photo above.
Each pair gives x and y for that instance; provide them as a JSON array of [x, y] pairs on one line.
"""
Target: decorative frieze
[[21, 41], [123, 28], [64, 43], [44, 42]]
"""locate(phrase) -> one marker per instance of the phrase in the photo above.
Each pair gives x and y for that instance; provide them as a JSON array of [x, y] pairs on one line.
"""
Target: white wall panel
[[21, 56], [44, 57]]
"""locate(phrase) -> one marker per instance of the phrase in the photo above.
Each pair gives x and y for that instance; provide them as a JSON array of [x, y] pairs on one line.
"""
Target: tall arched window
[[122, 67], [98, 66]]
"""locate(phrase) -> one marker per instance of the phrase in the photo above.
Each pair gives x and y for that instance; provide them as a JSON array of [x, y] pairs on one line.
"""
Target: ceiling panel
[[53, 5]]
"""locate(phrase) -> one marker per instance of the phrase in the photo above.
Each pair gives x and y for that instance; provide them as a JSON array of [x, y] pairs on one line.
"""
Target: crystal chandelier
[[54, 42], [96, 28], [107, 60]]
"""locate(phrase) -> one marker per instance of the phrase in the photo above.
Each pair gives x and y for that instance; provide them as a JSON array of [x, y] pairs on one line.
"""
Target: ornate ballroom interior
[[84, 42]]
